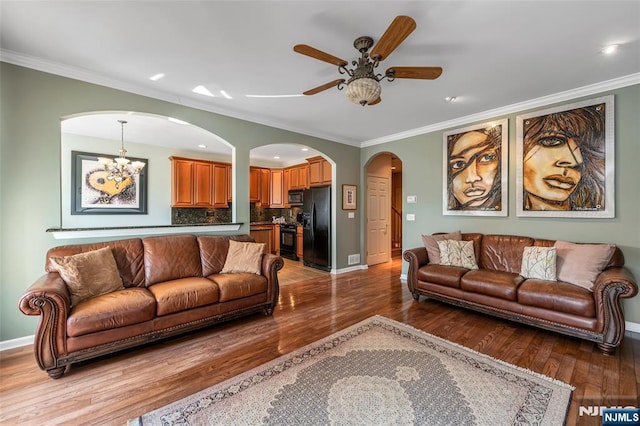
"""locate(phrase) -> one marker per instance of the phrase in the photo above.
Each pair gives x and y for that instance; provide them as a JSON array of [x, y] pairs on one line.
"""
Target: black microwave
[[296, 198]]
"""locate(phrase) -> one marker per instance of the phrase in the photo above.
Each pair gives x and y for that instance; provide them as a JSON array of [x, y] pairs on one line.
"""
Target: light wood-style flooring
[[295, 271], [116, 388]]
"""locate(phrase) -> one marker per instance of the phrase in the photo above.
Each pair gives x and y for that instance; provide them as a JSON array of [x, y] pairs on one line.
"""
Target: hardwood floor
[[295, 271], [113, 389]]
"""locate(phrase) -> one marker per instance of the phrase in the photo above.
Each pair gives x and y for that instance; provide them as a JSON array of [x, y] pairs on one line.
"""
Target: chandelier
[[119, 168], [364, 85]]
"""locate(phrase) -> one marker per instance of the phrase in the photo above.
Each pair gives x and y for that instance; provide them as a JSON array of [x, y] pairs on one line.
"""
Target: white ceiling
[[494, 54]]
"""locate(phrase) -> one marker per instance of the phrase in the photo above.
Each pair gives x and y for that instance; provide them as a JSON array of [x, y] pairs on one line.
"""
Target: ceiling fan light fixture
[[364, 90]]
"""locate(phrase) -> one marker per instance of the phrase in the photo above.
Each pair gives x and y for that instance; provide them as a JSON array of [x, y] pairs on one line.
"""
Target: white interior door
[[378, 224]]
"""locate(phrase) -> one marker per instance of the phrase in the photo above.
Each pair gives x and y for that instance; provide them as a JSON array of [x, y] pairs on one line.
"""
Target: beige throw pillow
[[539, 263], [457, 253], [431, 244], [243, 257], [580, 264], [89, 274]]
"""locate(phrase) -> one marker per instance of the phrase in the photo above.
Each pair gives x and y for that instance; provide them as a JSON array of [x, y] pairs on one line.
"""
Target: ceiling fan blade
[[377, 101], [424, 73], [325, 86], [318, 54], [399, 29]]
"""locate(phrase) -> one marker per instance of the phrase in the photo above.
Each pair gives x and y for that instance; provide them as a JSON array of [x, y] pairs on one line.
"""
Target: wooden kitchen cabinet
[[229, 183], [220, 185], [263, 234], [299, 241], [299, 177], [277, 195], [319, 171], [265, 187], [197, 183], [260, 186], [286, 186], [181, 183], [254, 185]]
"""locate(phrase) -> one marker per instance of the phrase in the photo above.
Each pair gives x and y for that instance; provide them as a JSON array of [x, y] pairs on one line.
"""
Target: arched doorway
[[383, 178]]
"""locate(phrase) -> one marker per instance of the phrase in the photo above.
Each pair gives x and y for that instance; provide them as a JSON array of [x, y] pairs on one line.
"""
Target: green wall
[[32, 104], [422, 176]]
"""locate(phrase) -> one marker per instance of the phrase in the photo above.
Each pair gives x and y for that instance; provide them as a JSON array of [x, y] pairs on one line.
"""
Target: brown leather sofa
[[496, 288], [172, 285]]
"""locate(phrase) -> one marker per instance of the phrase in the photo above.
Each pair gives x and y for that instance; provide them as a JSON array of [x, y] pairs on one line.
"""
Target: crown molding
[[91, 77], [604, 86]]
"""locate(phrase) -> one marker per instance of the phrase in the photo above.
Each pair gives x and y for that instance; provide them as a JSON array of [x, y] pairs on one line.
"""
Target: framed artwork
[[94, 192], [565, 160], [475, 170], [349, 197]]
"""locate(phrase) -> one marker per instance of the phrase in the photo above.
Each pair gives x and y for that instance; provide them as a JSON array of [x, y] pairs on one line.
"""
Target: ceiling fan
[[363, 85]]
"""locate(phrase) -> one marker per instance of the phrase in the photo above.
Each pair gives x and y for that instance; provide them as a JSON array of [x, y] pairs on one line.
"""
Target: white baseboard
[[633, 327], [349, 269], [16, 343], [403, 278]]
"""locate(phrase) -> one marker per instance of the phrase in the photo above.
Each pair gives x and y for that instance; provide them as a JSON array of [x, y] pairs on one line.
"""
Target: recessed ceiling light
[[201, 90], [608, 50], [274, 96], [175, 120], [276, 157], [304, 149], [450, 98], [203, 146], [156, 77], [225, 94]]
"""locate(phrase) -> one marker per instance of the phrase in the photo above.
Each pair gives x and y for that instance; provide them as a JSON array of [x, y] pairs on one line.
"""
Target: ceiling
[[494, 54]]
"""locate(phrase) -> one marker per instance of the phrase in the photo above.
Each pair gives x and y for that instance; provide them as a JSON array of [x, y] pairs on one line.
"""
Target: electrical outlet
[[412, 199]]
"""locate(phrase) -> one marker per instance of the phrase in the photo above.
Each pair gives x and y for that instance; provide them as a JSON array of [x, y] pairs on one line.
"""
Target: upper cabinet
[[319, 171], [277, 194], [197, 183], [260, 186]]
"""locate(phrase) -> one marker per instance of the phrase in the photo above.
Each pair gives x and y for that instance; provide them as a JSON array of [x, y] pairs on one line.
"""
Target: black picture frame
[[89, 199]]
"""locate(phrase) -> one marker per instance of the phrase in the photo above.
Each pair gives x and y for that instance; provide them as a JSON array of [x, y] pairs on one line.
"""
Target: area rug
[[376, 372]]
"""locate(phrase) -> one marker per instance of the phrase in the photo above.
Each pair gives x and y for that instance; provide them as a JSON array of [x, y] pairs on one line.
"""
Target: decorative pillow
[[89, 274], [539, 262], [457, 253], [243, 257], [580, 264], [431, 244]]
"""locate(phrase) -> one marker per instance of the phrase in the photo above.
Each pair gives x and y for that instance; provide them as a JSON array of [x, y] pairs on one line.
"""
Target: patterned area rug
[[376, 372]]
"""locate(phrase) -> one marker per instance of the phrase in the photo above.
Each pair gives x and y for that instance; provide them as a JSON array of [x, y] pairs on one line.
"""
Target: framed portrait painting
[[475, 170], [95, 191], [565, 160]]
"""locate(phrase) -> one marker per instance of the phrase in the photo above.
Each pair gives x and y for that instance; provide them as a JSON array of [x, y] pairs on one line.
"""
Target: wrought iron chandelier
[[364, 85], [119, 168]]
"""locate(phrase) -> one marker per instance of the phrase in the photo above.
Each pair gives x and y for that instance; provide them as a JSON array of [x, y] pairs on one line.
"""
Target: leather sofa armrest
[[49, 298], [612, 285], [416, 257], [271, 264]]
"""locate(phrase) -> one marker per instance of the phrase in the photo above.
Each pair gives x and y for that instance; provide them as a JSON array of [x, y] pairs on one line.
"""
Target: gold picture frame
[[349, 197]]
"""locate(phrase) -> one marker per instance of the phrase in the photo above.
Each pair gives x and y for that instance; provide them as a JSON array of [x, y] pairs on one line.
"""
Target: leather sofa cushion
[[112, 310], [185, 293], [557, 296], [236, 286], [492, 283], [172, 257], [503, 252], [440, 274]]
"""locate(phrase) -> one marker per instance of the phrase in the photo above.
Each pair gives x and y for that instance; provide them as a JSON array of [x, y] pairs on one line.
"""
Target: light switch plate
[[411, 216], [351, 215], [412, 199]]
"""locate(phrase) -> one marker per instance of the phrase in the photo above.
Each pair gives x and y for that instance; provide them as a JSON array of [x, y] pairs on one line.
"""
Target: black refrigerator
[[316, 214]]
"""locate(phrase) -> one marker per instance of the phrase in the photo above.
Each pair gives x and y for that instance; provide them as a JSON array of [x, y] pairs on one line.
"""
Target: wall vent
[[353, 259]]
